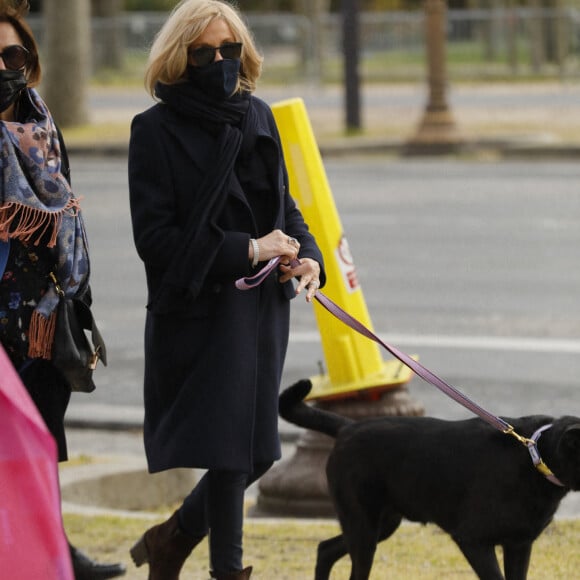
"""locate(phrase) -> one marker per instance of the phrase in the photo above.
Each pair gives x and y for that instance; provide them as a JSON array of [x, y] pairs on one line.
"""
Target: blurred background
[[319, 43]]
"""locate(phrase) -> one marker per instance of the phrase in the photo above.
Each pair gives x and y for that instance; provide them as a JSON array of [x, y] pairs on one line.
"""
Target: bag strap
[[87, 321], [82, 307]]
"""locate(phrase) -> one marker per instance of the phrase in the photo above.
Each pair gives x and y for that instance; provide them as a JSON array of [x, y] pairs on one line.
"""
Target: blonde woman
[[210, 204]]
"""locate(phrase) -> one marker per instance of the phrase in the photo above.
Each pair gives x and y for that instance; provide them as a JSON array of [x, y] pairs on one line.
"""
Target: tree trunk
[[67, 60], [512, 36], [109, 52], [536, 36], [556, 32], [312, 45], [351, 52]]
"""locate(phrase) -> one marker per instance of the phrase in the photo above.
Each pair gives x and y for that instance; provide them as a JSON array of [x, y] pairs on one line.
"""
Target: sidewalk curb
[[503, 148]]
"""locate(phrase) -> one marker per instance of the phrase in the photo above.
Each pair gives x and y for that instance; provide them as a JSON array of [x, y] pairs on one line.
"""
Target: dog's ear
[[570, 441], [569, 456]]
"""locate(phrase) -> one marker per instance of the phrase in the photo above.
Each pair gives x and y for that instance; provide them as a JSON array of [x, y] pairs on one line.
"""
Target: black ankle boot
[[86, 569]]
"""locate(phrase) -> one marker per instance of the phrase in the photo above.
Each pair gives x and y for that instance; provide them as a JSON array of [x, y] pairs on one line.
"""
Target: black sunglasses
[[205, 55], [15, 57]]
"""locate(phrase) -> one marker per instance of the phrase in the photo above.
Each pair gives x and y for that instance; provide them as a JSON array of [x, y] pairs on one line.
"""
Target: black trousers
[[51, 395], [216, 507]]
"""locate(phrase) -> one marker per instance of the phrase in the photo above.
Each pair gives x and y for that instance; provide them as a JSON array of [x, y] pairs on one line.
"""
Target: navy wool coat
[[213, 360]]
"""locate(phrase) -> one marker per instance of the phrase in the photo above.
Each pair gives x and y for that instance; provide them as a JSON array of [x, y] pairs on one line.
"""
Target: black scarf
[[191, 101], [202, 237]]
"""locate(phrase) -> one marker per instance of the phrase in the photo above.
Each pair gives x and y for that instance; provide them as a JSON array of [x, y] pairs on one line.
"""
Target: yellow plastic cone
[[354, 363]]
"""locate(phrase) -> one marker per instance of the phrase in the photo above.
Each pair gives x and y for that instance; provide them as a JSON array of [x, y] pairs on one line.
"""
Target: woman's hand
[[308, 270], [276, 243]]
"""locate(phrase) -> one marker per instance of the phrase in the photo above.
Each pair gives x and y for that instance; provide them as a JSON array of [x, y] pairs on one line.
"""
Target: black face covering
[[12, 83], [218, 79]]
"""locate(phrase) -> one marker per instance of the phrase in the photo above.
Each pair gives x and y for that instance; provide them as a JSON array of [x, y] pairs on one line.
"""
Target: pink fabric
[[33, 544]]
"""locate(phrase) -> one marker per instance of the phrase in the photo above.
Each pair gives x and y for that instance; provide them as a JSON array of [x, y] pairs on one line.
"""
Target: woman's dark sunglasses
[[205, 55], [15, 57]]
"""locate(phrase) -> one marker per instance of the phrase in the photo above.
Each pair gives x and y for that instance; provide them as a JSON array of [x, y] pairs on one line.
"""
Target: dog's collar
[[537, 460]]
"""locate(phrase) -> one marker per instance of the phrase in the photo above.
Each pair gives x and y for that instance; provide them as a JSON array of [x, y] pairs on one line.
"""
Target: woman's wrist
[[254, 252]]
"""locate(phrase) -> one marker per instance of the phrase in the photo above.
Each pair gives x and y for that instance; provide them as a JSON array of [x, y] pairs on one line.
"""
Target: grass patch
[[77, 460], [286, 549], [97, 133]]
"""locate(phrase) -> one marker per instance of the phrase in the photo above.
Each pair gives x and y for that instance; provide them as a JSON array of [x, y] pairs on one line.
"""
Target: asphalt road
[[474, 266]]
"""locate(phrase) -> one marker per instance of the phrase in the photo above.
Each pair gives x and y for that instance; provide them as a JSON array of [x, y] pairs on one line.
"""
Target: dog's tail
[[293, 408]]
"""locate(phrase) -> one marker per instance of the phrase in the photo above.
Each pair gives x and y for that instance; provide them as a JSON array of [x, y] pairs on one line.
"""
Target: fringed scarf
[[37, 206]]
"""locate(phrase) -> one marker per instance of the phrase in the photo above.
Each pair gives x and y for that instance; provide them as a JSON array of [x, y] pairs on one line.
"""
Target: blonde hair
[[167, 61]]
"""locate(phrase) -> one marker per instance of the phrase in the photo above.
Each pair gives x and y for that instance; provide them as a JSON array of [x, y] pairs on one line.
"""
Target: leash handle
[[415, 366], [257, 279]]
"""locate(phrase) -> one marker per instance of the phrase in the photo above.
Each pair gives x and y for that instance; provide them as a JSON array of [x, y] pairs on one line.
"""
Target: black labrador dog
[[475, 482]]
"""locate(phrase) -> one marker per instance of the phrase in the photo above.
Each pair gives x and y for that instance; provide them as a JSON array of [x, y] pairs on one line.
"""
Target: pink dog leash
[[417, 368]]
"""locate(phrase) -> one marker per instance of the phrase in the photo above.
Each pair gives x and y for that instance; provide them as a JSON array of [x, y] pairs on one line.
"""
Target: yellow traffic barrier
[[354, 364]]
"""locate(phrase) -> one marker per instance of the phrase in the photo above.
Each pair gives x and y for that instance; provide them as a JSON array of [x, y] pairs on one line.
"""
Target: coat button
[[216, 288]]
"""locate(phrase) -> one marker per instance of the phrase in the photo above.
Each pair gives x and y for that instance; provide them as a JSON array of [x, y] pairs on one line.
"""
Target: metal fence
[[481, 44]]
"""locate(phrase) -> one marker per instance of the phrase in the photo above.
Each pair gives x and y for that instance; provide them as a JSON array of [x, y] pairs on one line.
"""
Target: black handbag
[[78, 345]]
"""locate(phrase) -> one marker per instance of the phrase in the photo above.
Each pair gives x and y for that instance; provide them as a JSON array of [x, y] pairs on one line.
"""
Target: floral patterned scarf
[[37, 206]]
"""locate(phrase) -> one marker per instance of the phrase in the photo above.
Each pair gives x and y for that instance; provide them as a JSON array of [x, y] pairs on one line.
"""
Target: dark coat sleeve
[[153, 206]]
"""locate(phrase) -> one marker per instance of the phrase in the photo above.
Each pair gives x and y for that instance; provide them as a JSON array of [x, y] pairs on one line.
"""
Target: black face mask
[[12, 83], [218, 79]]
